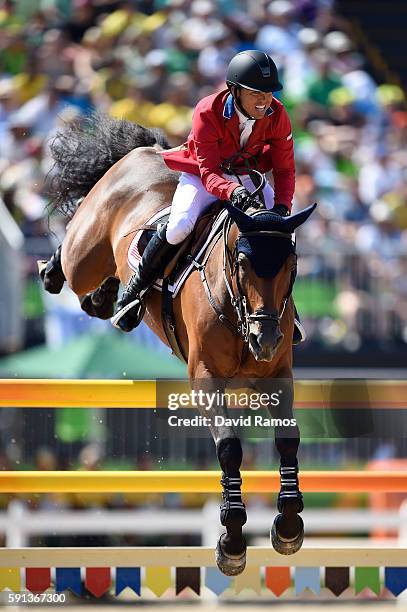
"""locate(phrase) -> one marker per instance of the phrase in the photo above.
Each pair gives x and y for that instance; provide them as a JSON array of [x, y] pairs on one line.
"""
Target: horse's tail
[[83, 152]]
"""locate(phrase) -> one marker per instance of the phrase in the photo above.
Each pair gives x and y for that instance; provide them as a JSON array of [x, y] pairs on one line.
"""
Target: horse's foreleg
[[231, 546], [287, 533], [51, 272], [100, 303]]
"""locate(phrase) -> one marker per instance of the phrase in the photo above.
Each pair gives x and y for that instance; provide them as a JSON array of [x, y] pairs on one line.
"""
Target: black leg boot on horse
[[100, 303], [287, 533], [51, 273], [231, 546], [130, 308]]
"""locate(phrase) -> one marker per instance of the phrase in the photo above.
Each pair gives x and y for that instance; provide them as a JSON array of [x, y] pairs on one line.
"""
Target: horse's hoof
[[230, 565], [52, 278], [283, 545]]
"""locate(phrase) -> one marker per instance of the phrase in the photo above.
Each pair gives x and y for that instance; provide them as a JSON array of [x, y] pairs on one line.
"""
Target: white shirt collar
[[242, 117]]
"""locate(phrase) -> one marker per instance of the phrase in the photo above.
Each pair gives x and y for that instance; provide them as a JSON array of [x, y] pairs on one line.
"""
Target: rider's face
[[255, 103]]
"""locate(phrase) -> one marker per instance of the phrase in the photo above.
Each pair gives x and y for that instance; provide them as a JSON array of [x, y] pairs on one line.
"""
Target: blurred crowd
[[150, 61]]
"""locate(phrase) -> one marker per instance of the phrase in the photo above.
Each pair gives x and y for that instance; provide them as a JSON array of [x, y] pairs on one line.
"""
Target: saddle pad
[[134, 253]]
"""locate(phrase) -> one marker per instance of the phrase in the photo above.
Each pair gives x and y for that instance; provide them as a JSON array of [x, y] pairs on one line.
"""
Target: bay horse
[[110, 178]]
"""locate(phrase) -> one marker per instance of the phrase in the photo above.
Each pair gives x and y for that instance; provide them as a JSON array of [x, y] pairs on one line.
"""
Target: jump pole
[[44, 393], [196, 482], [197, 556]]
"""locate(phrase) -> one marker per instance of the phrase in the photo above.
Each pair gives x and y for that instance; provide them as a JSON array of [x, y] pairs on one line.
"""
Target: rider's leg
[[190, 200]]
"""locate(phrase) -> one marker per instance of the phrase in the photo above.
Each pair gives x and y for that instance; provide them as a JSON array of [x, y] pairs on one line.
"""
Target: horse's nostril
[[279, 339], [254, 342]]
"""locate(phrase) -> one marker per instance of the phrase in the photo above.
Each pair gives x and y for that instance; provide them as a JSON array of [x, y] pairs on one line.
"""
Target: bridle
[[230, 270], [239, 301]]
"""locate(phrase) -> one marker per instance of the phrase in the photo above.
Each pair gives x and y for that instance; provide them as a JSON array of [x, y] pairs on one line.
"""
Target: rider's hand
[[242, 198], [281, 209]]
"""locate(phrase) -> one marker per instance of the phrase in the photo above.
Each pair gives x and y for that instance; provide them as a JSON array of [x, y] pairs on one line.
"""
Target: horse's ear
[[244, 222], [289, 224]]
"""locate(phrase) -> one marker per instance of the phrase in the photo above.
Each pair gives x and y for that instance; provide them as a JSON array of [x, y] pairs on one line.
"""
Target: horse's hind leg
[[51, 273], [100, 303]]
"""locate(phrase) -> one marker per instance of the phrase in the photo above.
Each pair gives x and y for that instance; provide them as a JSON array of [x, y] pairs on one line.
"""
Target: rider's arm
[[278, 156], [207, 138]]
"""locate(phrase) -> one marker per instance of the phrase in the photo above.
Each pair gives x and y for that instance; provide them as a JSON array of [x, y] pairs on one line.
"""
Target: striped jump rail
[[169, 570], [44, 393]]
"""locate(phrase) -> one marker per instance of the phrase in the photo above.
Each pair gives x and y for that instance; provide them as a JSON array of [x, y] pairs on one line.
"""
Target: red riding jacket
[[215, 137]]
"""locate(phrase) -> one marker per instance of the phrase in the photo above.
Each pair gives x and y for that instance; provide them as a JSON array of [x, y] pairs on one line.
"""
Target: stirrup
[[137, 316], [299, 334]]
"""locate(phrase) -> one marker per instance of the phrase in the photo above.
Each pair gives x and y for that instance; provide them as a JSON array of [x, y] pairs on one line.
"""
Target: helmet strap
[[235, 91]]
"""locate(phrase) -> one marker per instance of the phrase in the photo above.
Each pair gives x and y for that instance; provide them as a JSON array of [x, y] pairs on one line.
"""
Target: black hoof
[[52, 278], [230, 565], [105, 297], [87, 305], [286, 546]]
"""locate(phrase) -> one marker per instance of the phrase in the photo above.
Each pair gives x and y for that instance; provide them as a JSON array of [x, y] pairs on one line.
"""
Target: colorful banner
[[367, 577], [337, 579], [98, 580], [395, 579], [37, 579], [10, 578], [188, 577], [216, 581], [307, 578], [68, 578], [128, 577], [278, 579], [249, 579], [158, 579]]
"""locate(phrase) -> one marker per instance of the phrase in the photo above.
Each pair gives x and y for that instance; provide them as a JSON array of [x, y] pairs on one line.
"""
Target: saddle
[[192, 251], [188, 249]]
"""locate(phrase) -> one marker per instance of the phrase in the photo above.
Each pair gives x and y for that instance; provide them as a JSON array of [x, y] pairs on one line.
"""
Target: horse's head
[[265, 266]]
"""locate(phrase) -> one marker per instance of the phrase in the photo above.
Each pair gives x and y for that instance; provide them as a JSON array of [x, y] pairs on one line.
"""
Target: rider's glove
[[281, 209], [242, 198]]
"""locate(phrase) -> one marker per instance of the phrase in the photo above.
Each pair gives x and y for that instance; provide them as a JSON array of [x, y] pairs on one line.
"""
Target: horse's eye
[[243, 262]]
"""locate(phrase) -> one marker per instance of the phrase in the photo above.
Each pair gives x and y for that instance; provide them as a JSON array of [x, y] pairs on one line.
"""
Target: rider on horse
[[242, 122]]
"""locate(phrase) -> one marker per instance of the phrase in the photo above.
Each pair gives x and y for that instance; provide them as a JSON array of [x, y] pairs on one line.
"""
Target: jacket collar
[[229, 108]]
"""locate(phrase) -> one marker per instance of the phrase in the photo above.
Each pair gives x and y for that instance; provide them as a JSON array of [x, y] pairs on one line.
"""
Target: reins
[[230, 268]]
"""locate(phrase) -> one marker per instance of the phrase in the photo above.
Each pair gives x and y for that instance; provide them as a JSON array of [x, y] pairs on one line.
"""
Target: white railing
[[19, 523], [11, 281]]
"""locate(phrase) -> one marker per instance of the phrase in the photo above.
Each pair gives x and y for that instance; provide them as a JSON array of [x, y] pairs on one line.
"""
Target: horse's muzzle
[[264, 340]]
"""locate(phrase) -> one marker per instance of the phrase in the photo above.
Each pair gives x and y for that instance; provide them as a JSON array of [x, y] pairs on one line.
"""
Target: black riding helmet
[[253, 70]]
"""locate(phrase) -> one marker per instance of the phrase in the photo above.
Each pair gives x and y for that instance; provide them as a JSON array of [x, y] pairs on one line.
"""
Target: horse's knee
[[178, 231]]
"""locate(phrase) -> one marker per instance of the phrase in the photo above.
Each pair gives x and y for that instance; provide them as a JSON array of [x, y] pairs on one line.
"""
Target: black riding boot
[[299, 334], [130, 308]]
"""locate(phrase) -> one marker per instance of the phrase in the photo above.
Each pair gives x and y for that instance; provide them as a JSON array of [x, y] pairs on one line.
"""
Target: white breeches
[[191, 199]]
